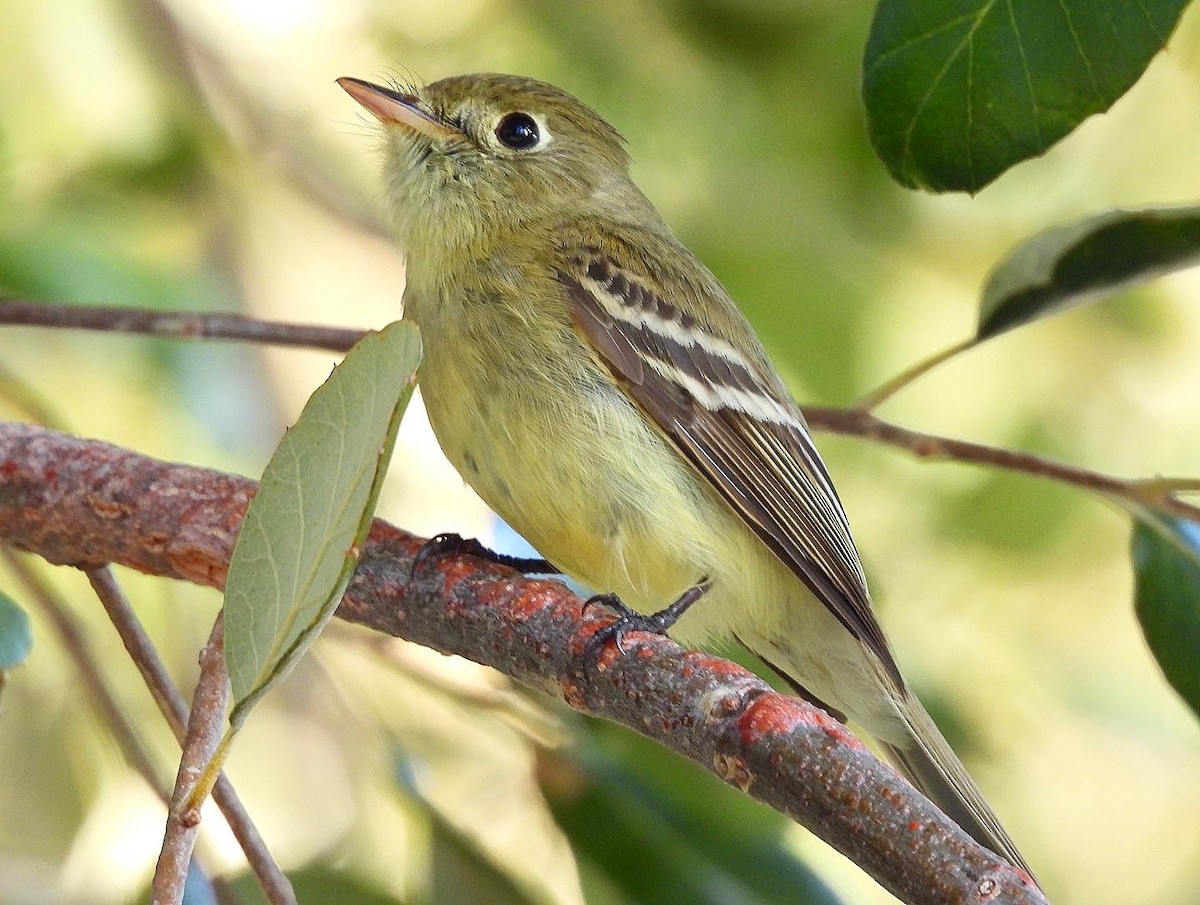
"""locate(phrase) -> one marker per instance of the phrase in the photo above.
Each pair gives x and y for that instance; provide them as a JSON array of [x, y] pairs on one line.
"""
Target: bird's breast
[[540, 430], [544, 435]]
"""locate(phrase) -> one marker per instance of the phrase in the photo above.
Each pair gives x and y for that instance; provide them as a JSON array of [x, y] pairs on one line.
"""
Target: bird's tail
[[907, 736], [929, 763]]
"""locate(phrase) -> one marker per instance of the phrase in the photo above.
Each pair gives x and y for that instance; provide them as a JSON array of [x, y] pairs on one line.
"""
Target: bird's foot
[[629, 620], [450, 543]]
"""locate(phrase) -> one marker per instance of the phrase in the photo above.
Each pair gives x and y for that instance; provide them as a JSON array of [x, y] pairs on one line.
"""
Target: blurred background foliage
[[198, 155]]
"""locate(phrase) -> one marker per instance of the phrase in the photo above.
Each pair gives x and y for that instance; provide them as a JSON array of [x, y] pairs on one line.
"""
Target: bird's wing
[[733, 422]]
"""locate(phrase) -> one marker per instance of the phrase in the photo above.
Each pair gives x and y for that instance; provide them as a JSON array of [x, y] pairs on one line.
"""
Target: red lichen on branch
[[776, 714], [82, 502]]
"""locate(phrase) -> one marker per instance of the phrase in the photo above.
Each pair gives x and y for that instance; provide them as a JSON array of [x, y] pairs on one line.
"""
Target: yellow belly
[[563, 456], [591, 488]]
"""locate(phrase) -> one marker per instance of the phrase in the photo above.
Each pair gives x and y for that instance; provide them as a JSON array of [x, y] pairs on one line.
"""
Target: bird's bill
[[390, 106]]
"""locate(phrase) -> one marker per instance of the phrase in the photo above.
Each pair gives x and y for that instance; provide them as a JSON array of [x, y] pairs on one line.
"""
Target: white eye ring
[[517, 130]]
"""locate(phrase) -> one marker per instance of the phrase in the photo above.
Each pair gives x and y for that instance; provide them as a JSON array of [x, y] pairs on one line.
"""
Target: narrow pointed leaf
[[1072, 264], [299, 543], [957, 91], [1166, 561], [16, 634]]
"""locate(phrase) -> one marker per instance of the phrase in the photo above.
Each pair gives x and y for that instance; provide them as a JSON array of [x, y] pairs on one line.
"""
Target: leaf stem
[[890, 388]]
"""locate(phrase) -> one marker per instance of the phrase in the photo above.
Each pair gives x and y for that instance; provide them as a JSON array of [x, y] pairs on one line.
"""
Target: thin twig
[[1162, 487], [272, 880], [71, 636], [200, 71], [852, 423], [203, 734], [141, 650], [175, 324]]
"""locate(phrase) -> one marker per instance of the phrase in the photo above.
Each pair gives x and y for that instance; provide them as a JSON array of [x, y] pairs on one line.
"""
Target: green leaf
[[1077, 262], [299, 543], [957, 91], [1166, 561], [16, 634]]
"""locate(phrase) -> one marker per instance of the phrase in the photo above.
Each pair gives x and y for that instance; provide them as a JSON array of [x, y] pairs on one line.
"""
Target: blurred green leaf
[[299, 543], [1071, 264], [1166, 561], [323, 884], [317, 884], [461, 870], [957, 91], [462, 873], [1005, 512], [668, 844], [59, 264], [16, 634]]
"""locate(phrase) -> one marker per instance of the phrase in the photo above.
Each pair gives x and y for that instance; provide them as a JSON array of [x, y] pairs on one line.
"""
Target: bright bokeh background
[[199, 155]]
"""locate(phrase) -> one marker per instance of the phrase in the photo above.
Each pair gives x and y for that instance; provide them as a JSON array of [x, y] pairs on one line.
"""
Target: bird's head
[[474, 155]]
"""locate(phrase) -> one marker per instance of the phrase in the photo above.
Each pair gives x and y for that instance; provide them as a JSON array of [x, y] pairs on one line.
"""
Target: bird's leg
[[451, 543], [629, 620]]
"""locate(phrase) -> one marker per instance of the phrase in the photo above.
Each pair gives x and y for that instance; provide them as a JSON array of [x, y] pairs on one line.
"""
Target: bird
[[599, 389]]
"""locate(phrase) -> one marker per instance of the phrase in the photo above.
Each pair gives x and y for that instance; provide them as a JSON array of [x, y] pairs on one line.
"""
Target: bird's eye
[[518, 131]]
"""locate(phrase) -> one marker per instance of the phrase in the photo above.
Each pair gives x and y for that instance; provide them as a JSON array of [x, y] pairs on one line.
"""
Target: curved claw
[[630, 620], [439, 545], [612, 601]]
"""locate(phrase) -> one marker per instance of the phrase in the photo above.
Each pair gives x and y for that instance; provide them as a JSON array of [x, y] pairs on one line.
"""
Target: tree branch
[[199, 745], [171, 703], [73, 638], [175, 324], [83, 503], [1157, 493], [857, 421]]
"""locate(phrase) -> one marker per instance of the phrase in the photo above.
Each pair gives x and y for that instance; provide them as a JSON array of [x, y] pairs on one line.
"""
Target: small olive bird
[[599, 389]]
